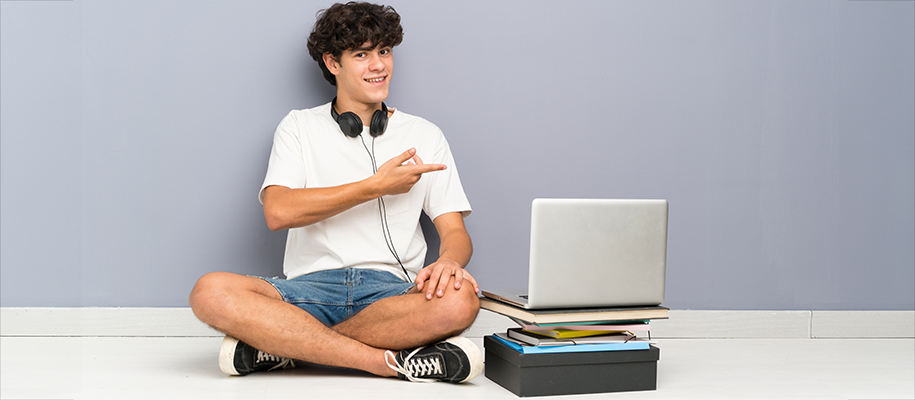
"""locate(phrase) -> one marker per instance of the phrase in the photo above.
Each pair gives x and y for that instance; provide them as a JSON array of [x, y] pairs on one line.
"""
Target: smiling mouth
[[376, 80]]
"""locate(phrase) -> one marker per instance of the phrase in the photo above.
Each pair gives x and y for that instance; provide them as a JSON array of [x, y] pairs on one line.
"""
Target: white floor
[[185, 368]]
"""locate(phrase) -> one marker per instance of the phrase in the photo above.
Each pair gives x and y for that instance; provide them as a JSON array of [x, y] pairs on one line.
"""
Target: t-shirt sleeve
[[445, 193], [286, 166]]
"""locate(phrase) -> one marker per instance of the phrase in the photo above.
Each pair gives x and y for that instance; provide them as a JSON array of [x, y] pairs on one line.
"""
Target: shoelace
[[411, 367], [282, 361]]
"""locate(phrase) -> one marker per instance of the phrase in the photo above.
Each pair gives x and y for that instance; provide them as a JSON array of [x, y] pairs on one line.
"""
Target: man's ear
[[331, 63]]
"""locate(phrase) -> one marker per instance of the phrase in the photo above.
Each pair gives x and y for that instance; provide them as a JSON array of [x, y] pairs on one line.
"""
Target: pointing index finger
[[424, 168]]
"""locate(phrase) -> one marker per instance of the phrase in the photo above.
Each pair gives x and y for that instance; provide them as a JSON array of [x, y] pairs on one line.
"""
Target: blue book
[[632, 345]]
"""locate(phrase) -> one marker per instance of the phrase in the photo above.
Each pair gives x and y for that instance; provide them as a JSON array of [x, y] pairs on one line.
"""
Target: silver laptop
[[594, 253]]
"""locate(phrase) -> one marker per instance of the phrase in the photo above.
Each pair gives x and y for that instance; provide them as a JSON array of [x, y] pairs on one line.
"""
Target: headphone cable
[[382, 211]]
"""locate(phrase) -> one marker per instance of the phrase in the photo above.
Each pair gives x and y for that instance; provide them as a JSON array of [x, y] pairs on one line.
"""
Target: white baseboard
[[733, 324], [682, 324], [841, 324], [92, 321]]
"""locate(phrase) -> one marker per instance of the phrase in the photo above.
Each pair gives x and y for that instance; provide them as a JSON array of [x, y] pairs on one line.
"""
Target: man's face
[[363, 74]]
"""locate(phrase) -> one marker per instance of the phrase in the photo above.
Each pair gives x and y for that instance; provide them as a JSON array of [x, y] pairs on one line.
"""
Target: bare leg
[[409, 321], [251, 310]]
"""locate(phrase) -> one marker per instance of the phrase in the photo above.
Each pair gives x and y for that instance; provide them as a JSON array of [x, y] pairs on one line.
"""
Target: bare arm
[[454, 254], [286, 208]]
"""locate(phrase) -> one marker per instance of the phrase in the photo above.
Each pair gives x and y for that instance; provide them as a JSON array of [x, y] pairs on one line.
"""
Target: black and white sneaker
[[239, 358], [455, 360]]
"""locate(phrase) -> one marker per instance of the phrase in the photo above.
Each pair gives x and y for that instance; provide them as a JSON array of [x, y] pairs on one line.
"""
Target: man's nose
[[375, 63]]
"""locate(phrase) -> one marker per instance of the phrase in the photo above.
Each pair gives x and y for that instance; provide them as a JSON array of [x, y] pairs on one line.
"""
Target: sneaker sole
[[227, 355], [473, 354]]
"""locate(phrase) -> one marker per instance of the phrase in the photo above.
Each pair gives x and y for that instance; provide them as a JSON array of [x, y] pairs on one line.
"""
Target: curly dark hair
[[349, 26]]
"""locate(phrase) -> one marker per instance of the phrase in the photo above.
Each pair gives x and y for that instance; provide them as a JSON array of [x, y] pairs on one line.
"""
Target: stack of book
[[570, 351], [604, 336]]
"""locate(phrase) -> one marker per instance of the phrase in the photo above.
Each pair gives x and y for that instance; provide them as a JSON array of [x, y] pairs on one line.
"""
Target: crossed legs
[[251, 310]]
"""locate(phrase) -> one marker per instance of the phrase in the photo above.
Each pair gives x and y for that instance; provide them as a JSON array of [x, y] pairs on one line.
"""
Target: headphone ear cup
[[350, 124], [379, 122]]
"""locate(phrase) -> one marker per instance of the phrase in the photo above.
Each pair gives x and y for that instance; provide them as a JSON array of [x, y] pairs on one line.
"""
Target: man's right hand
[[399, 174]]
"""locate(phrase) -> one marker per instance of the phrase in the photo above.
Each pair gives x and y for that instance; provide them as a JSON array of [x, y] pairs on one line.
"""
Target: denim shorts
[[333, 296]]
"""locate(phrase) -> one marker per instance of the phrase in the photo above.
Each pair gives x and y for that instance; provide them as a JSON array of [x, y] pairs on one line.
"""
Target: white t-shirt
[[309, 151]]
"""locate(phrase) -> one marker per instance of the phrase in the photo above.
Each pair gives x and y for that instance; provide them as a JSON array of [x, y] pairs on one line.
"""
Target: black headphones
[[351, 124]]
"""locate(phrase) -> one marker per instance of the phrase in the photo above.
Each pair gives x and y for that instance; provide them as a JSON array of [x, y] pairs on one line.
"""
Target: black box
[[570, 373]]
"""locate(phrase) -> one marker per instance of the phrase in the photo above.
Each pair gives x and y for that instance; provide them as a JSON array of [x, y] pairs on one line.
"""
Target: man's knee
[[207, 286], [459, 308], [214, 293], [219, 289], [206, 292]]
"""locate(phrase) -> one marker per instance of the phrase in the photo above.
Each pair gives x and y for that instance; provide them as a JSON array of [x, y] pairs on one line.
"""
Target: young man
[[354, 243]]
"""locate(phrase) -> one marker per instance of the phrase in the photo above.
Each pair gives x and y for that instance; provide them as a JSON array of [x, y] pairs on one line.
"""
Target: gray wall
[[135, 136]]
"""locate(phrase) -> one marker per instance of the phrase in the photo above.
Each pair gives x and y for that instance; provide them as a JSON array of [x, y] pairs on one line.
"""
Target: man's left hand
[[434, 278]]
